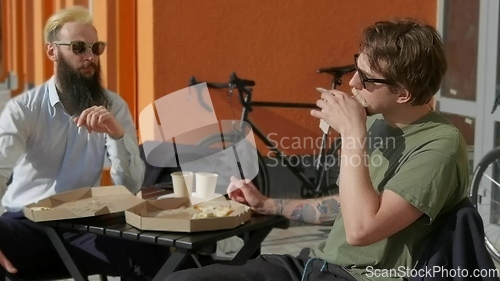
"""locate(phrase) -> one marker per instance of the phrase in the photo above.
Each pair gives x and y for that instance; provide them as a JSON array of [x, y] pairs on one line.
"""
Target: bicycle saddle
[[337, 70]]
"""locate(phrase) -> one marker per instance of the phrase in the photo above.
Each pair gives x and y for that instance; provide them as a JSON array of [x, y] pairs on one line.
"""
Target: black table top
[[115, 225]]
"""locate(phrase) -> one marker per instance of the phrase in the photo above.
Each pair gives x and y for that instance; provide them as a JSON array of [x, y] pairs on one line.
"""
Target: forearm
[[314, 211], [127, 167], [359, 199]]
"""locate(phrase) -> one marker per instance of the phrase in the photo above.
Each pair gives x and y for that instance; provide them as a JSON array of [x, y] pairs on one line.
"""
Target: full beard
[[79, 91]]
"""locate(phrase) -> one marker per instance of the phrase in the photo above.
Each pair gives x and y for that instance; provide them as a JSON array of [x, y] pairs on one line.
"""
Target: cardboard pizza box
[[177, 214], [82, 202], [167, 214]]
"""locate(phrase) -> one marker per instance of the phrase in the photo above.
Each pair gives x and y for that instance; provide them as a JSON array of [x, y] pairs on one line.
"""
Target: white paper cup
[[205, 184], [189, 179], [182, 183]]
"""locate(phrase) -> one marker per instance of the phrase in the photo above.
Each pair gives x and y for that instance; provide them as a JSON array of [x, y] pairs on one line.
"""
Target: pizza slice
[[212, 211]]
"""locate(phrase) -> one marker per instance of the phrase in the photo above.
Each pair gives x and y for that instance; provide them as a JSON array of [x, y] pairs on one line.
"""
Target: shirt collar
[[53, 96]]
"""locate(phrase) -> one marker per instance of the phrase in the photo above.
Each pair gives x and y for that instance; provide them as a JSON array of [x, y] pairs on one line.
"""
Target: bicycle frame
[[260, 134], [245, 97]]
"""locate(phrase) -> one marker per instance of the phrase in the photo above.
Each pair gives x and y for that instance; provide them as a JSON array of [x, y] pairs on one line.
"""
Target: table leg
[[251, 245], [58, 243], [172, 264]]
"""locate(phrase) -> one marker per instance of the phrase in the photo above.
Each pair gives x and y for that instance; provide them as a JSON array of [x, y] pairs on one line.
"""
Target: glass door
[[491, 130], [470, 30], [458, 100]]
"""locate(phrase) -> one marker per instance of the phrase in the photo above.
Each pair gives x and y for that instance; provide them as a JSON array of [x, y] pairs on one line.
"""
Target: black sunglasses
[[80, 47], [365, 79]]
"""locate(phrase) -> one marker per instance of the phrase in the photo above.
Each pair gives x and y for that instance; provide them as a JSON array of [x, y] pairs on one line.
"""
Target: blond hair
[[57, 20]]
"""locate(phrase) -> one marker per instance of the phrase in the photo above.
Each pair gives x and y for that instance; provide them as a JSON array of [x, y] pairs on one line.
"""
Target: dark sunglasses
[[365, 79], [80, 47]]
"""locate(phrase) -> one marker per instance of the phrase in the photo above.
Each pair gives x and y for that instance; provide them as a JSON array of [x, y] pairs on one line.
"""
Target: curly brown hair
[[409, 53]]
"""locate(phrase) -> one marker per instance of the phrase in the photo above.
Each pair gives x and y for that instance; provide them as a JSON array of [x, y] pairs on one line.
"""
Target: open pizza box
[[185, 214], [177, 214], [82, 202]]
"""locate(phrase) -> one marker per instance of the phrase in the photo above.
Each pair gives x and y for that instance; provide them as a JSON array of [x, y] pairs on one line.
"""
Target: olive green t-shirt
[[426, 164]]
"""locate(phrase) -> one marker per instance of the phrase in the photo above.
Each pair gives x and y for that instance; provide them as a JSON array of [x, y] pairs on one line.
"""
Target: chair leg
[[4, 276], [8, 277], [103, 277]]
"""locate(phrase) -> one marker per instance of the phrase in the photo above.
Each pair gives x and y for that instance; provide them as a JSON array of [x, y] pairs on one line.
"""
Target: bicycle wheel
[[261, 181], [485, 194], [330, 175]]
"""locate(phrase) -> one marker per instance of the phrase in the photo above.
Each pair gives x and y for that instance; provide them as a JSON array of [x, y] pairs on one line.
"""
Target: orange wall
[[279, 44], [4, 43], [154, 46]]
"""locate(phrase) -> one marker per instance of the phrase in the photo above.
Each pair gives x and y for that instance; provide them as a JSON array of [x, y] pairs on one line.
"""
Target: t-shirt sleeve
[[426, 180]]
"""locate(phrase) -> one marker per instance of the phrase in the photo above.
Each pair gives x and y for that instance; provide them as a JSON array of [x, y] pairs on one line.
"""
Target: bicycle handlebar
[[192, 82], [233, 79], [243, 86], [234, 82], [337, 72]]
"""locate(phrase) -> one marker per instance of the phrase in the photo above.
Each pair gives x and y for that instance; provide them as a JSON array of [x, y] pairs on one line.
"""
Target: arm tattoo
[[280, 206], [315, 211], [304, 213], [329, 210]]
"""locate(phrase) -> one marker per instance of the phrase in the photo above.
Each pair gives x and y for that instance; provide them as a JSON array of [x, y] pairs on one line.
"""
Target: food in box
[[177, 214]]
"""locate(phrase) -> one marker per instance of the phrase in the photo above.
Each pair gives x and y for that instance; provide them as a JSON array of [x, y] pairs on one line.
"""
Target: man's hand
[[341, 111], [243, 191], [99, 119], [6, 264]]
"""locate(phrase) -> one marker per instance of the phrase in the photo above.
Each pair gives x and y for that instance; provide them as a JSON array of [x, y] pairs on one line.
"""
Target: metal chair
[[457, 243]]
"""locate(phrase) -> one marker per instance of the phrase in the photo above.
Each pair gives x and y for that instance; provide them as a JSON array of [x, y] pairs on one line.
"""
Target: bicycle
[[485, 193], [326, 170]]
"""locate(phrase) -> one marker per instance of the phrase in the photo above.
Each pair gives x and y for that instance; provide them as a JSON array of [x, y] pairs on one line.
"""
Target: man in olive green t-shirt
[[400, 169], [425, 163]]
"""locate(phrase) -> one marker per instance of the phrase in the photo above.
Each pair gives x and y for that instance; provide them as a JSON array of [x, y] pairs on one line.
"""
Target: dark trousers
[[30, 251], [268, 268]]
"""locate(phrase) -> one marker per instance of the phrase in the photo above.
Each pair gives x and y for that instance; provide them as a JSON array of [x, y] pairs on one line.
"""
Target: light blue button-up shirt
[[48, 153]]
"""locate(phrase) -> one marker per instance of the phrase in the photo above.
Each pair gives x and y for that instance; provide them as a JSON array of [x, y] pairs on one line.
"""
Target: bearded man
[[55, 138]]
